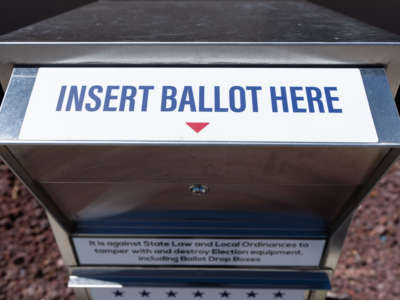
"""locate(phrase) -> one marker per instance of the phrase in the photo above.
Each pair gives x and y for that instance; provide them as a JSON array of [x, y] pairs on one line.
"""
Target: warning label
[[186, 251]]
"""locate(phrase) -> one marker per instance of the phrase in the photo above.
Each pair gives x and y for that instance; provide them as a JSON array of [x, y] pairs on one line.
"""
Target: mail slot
[[196, 158]]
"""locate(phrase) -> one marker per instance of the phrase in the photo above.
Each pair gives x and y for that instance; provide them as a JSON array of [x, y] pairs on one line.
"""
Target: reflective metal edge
[[206, 53], [63, 241], [96, 277], [382, 104], [334, 245], [15, 102]]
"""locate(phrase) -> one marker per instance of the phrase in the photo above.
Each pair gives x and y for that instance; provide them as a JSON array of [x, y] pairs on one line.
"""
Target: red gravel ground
[[31, 267], [369, 267]]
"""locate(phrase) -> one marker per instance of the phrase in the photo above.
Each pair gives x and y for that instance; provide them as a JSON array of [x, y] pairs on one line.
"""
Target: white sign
[[195, 293], [207, 252], [199, 105]]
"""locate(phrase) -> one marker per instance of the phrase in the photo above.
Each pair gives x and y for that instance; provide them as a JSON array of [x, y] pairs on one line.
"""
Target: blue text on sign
[[283, 99]]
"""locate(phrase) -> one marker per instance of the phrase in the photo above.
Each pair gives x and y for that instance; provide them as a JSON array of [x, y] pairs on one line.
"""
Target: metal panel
[[201, 21], [92, 201], [81, 180], [314, 181], [262, 165]]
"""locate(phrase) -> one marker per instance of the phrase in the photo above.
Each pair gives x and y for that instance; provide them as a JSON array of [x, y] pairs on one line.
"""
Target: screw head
[[199, 189]]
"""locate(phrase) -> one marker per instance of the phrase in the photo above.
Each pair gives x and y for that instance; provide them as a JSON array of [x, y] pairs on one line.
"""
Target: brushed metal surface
[[201, 21], [89, 182], [88, 201], [218, 164], [97, 181], [13, 110]]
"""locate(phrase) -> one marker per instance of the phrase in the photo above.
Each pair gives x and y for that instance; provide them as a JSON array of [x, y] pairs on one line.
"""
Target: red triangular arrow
[[197, 126]]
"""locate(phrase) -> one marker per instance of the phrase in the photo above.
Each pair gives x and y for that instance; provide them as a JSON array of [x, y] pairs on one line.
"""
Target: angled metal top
[[201, 21], [201, 32]]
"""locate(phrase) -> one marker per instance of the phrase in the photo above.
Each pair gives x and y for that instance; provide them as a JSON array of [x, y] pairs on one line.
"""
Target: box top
[[269, 32], [201, 21]]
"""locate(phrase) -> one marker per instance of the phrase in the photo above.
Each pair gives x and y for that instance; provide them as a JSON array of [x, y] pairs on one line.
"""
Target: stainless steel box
[[256, 190]]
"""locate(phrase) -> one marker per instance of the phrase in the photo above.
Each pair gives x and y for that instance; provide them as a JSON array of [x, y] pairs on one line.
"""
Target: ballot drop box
[[199, 149]]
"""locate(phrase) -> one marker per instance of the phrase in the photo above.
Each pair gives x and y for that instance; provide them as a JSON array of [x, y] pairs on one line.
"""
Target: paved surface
[[31, 267]]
